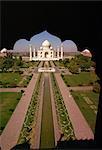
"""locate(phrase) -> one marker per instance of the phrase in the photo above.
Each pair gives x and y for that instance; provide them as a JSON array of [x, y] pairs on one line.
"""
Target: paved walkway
[[80, 125], [17, 89], [11, 133]]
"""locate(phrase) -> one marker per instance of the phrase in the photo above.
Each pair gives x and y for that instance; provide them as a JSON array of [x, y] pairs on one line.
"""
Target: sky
[[78, 21], [37, 40]]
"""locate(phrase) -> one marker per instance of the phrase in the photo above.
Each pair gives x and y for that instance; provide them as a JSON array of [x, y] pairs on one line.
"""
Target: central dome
[[46, 43]]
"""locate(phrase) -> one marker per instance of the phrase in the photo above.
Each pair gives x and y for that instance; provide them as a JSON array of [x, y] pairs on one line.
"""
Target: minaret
[[30, 49], [34, 52], [62, 51], [58, 52]]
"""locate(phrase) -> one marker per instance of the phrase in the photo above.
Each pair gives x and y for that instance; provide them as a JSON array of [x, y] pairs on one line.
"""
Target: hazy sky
[[37, 40]]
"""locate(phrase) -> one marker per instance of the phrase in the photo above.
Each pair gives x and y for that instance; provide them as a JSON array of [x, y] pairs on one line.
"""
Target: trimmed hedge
[[30, 118], [62, 114]]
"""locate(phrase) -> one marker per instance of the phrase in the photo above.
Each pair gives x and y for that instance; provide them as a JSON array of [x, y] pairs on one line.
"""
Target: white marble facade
[[46, 52]]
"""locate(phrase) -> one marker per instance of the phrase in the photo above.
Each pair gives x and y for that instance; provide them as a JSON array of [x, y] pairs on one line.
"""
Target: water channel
[[47, 130]]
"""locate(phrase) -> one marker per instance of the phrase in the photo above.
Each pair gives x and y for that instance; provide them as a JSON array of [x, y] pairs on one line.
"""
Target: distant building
[[86, 52], [3, 52], [46, 52]]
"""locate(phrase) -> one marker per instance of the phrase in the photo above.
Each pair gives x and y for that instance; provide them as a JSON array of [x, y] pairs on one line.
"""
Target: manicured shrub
[[62, 114], [22, 91], [11, 110], [96, 87], [91, 83], [30, 118], [80, 84]]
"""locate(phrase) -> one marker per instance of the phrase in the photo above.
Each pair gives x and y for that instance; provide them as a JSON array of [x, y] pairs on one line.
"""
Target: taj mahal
[[46, 52], [44, 46]]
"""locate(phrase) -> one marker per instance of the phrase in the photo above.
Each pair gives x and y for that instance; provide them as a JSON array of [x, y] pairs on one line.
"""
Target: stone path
[[81, 128], [17, 89]]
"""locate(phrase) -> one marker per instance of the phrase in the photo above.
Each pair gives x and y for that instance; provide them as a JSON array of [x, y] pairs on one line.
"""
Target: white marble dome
[[46, 43], [4, 50]]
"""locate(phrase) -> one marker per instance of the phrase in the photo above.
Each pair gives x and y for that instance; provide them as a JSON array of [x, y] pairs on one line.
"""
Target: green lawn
[[10, 78], [88, 112], [8, 102], [84, 78]]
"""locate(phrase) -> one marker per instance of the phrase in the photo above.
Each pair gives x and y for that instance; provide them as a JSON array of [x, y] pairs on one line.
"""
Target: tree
[[83, 62], [15, 67], [2, 66], [6, 63], [65, 62], [74, 69], [18, 61]]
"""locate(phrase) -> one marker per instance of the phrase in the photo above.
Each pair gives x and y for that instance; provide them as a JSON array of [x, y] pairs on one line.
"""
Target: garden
[[13, 79], [10, 79], [8, 103], [59, 63], [32, 64], [81, 79], [87, 100], [62, 114], [15, 72]]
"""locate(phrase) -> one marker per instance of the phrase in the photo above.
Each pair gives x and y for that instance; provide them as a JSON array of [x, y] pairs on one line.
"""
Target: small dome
[[4, 50], [86, 50], [46, 43], [41, 48]]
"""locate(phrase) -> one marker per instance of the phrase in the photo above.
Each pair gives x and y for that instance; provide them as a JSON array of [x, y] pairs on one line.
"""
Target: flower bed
[[63, 118], [30, 119]]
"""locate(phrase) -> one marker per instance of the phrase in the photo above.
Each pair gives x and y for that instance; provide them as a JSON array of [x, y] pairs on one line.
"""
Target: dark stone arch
[[79, 21]]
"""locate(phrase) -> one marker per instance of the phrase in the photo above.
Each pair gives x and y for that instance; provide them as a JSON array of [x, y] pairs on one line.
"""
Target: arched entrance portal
[[46, 53]]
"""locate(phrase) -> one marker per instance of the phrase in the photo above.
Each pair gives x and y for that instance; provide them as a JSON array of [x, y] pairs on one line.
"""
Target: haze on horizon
[[38, 39]]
